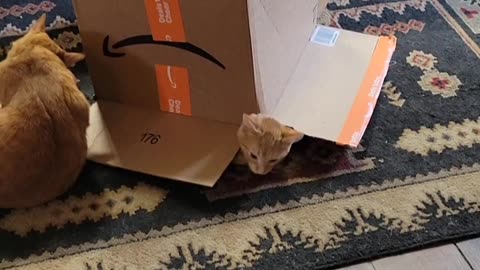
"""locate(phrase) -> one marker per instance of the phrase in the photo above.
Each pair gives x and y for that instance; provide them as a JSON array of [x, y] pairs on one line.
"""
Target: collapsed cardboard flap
[[162, 144], [333, 90]]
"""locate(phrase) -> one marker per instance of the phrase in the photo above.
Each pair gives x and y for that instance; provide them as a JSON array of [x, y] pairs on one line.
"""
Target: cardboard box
[[173, 78]]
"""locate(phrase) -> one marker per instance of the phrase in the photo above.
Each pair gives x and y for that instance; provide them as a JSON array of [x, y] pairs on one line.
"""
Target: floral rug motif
[[413, 182]]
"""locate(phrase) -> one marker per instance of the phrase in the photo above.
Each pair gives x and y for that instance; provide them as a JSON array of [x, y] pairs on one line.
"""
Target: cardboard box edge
[[385, 53]]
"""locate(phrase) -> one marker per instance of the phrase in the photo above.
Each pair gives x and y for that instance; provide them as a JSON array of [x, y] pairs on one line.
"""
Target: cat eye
[[273, 160], [253, 156]]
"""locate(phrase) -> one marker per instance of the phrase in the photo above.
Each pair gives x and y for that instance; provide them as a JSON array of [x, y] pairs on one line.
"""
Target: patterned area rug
[[414, 181]]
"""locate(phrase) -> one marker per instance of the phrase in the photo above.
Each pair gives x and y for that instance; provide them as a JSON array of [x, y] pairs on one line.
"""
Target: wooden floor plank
[[363, 266], [471, 251], [440, 258]]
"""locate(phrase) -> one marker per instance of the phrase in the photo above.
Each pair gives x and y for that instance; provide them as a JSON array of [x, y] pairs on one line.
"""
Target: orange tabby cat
[[43, 121], [264, 142]]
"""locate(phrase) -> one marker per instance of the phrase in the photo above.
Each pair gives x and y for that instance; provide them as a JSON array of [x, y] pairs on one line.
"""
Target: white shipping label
[[326, 36]]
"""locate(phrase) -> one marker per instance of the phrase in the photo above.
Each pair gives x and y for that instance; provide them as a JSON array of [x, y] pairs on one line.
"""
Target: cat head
[[37, 36], [265, 142]]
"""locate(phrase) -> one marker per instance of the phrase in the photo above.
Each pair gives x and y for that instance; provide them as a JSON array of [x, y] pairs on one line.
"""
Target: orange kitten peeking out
[[264, 142], [43, 121]]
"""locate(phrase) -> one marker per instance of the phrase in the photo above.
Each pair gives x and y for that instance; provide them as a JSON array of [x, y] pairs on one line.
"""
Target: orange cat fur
[[43, 121], [264, 142]]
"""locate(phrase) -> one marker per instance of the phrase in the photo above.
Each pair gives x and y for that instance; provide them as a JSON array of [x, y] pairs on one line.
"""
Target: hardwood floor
[[471, 252], [460, 256]]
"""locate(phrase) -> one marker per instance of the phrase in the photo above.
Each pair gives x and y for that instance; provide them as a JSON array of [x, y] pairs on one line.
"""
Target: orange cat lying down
[[43, 121]]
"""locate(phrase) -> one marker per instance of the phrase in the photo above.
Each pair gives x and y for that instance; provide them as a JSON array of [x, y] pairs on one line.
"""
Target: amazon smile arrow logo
[[148, 39]]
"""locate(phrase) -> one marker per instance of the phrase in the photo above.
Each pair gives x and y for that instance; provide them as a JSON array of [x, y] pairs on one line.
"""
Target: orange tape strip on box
[[174, 89], [166, 24], [366, 99], [165, 18]]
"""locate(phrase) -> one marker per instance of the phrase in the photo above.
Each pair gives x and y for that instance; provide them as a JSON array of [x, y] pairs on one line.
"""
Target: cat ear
[[290, 135], [39, 26], [71, 59], [249, 121]]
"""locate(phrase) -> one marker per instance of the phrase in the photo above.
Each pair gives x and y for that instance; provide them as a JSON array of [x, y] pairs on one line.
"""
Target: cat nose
[[258, 168], [262, 172]]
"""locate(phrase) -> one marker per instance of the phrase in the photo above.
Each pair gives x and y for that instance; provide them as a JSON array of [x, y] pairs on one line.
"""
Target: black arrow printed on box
[[148, 39]]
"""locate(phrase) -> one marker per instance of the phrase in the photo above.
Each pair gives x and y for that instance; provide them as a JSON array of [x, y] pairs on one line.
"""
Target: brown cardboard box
[[173, 78]]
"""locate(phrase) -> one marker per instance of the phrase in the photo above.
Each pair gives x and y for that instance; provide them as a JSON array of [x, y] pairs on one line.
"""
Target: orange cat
[[43, 121], [264, 142]]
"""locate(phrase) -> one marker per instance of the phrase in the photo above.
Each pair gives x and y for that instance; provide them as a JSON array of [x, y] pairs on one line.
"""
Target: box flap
[[335, 86], [161, 144], [279, 31]]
